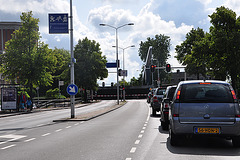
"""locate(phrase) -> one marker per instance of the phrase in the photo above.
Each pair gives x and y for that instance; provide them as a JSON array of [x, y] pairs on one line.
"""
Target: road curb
[[110, 109]]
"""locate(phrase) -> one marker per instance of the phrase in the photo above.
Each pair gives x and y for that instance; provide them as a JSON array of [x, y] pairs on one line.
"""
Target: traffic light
[[152, 68], [119, 72], [168, 67]]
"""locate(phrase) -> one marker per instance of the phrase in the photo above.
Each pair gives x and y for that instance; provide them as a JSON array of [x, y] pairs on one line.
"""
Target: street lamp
[[116, 28], [124, 68]]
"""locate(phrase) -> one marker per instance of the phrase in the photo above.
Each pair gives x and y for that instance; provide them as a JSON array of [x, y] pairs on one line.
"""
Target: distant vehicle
[[206, 108], [164, 110], [156, 100], [150, 94]]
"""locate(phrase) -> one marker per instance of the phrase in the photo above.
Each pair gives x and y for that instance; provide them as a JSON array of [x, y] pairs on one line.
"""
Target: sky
[[173, 18]]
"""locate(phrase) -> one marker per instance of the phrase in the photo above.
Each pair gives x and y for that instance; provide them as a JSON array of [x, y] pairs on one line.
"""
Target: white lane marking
[[8, 146], [31, 139], [68, 126], [137, 141], [145, 125], [58, 130], [133, 150], [40, 125], [11, 138], [128, 159], [148, 114], [140, 136], [144, 128], [142, 131], [46, 134], [82, 122], [76, 124]]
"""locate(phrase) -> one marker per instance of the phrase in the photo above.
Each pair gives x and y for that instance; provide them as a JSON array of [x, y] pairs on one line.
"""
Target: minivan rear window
[[206, 93]]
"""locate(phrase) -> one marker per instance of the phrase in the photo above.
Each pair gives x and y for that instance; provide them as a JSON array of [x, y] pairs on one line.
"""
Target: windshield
[[206, 93]]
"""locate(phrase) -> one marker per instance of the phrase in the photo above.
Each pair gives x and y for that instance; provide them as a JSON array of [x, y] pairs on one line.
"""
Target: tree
[[195, 62], [90, 65], [160, 50], [62, 72], [26, 59], [225, 38]]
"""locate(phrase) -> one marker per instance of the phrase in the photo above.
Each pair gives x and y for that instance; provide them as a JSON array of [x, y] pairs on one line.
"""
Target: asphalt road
[[128, 133]]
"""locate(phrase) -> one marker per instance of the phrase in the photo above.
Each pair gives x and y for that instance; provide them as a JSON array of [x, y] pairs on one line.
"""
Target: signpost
[[58, 23], [72, 89], [111, 65]]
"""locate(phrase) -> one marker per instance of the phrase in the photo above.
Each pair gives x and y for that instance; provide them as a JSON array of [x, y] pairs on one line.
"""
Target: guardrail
[[55, 103]]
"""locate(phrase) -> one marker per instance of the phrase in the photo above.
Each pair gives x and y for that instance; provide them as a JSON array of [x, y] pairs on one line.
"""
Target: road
[[128, 133]]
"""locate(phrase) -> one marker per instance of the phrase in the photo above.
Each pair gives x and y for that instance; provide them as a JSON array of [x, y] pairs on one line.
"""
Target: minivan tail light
[[238, 116], [233, 94], [178, 94], [175, 115]]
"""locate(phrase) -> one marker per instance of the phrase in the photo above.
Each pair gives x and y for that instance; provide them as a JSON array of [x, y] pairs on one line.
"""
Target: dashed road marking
[[142, 131], [68, 127], [76, 124], [140, 136], [133, 150], [8, 146], [46, 134], [137, 141], [31, 139], [58, 130], [128, 159]]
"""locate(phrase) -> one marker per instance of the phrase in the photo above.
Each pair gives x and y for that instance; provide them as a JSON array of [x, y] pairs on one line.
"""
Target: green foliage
[[160, 50], [195, 61], [90, 65], [216, 53], [26, 59], [53, 93]]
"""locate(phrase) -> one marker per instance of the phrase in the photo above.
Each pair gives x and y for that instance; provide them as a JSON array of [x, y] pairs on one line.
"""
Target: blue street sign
[[58, 23], [72, 89], [111, 65]]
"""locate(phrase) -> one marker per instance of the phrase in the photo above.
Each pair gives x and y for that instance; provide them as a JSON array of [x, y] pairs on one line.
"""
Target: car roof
[[203, 81]]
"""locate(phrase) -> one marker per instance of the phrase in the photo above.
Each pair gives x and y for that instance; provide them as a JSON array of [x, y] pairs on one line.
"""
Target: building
[[6, 31]]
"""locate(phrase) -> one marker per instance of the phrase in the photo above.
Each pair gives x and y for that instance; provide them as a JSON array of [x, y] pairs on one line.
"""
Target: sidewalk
[[93, 114], [82, 117]]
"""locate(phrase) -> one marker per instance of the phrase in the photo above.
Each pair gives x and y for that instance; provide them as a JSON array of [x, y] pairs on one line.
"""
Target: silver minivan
[[208, 108]]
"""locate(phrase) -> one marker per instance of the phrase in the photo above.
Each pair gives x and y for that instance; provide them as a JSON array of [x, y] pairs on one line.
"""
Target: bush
[[54, 93]]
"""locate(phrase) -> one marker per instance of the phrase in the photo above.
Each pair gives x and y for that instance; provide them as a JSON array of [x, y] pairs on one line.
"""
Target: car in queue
[[156, 100], [150, 94], [164, 110], [206, 108]]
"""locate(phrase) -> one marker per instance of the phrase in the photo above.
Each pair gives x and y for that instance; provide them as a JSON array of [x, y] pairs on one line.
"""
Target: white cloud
[[169, 17], [146, 24]]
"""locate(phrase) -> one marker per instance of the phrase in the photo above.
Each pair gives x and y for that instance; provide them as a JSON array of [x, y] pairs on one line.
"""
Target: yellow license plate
[[207, 130]]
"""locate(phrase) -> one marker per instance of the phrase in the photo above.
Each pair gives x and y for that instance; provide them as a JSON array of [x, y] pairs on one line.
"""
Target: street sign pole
[[72, 61]]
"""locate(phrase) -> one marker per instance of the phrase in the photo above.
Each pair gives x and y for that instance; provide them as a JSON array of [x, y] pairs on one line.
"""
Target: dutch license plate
[[207, 130]]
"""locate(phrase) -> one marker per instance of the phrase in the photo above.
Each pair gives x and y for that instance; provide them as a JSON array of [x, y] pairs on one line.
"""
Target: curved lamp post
[[116, 28]]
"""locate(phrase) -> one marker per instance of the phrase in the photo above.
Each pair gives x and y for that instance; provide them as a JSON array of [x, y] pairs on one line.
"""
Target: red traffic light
[[168, 67], [152, 68]]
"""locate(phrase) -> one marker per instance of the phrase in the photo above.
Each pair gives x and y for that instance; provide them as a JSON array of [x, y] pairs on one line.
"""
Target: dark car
[[164, 110], [150, 94], [156, 100], [204, 108]]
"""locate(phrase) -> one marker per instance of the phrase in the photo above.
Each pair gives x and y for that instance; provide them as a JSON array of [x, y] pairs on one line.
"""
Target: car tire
[[236, 141], [164, 125], [153, 111], [173, 138]]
